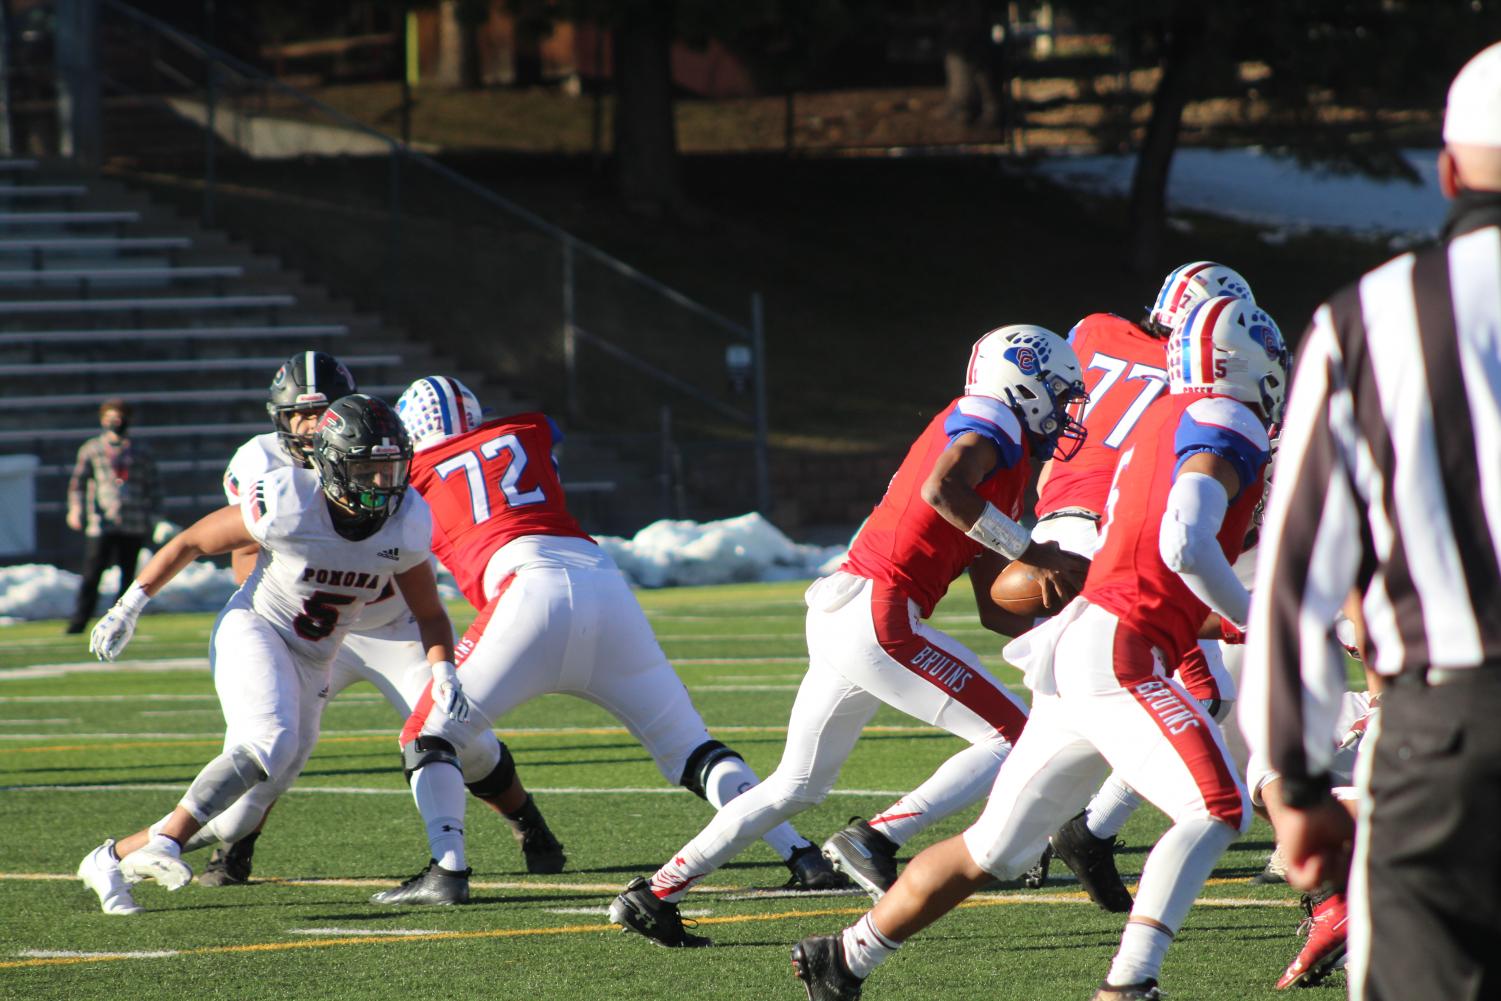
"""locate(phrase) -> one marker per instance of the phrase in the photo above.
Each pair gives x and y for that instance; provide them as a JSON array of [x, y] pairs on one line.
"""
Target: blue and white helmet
[[1230, 346], [436, 408], [1187, 286], [1036, 372]]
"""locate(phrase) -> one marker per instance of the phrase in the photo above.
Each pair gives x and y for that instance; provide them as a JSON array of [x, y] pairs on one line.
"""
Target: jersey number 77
[[1153, 381]]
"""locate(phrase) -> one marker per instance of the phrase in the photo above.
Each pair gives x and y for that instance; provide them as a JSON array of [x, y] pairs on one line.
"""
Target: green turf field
[[88, 752]]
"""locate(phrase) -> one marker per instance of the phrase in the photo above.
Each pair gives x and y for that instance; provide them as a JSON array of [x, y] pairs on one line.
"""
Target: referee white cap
[[1473, 114]]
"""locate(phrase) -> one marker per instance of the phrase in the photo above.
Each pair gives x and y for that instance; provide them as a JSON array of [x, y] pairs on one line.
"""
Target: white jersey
[[309, 581], [255, 459]]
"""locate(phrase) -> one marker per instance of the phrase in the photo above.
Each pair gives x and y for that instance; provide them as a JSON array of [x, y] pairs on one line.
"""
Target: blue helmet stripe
[[442, 407]]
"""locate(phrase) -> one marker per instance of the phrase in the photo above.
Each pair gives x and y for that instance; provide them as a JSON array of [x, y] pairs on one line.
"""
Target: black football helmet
[[310, 380], [363, 455]]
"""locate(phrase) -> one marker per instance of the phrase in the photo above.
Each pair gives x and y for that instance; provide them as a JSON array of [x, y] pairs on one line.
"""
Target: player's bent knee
[[701, 762], [223, 781], [499, 779], [426, 751]]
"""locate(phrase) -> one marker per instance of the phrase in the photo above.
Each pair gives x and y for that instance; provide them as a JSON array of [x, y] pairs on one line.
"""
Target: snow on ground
[[664, 554], [1256, 186]]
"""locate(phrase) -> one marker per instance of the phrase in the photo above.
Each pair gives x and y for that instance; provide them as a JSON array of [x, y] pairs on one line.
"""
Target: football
[[1018, 589]]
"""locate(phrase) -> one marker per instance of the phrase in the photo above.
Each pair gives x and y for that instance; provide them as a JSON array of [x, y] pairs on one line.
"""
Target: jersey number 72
[[469, 463]]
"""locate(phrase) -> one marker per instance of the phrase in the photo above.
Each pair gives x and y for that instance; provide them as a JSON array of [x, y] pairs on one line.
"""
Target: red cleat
[[1327, 925]]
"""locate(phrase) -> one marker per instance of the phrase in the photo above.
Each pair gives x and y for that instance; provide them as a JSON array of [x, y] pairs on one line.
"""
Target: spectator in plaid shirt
[[114, 498]]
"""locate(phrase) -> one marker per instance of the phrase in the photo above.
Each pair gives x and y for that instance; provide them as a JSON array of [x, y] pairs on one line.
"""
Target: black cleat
[[811, 871], [865, 855], [1144, 991], [231, 866], [1093, 860], [1035, 877], [543, 852], [818, 961], [639, 910], [434, 885]]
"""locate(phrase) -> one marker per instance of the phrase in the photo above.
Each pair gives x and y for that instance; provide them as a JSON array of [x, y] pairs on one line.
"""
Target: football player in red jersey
[[1125, 370], [1188, 478], [952, 505], [555, 615]]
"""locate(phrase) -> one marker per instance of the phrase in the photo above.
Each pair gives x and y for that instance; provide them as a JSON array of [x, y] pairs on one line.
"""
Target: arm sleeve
[[1295, 673], [1188, 544]]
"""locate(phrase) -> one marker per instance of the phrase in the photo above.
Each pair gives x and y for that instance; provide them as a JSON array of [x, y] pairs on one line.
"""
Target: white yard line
[[66, 954], [395, 932]]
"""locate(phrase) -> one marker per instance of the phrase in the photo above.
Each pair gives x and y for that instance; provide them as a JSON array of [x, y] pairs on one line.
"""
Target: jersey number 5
[[474, 473], [320, 615], [1154, 381]]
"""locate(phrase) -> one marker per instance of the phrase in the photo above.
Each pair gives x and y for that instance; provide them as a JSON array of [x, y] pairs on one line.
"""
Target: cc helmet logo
[[1024, 358], [281, 377]]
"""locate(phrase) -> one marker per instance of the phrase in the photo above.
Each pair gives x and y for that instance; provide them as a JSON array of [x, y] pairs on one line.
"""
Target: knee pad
[[703, 759], [425, 751], [499, 779], [222, 781]]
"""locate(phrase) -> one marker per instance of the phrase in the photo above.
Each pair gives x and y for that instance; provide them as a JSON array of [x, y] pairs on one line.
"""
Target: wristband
[[999, 533], [134, 599], [1230, 633]]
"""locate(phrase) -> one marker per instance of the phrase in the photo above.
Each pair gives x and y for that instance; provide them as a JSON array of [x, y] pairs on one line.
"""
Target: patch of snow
[[1256, 186], [663, 554]]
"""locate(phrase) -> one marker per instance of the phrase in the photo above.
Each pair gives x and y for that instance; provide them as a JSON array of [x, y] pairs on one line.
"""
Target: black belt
[[1434, 677], [1070, 512]]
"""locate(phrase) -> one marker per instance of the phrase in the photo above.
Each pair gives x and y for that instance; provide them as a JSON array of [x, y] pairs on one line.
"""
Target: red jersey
[[907, 544], [489, 486], [1124, 370], [1127, 576]]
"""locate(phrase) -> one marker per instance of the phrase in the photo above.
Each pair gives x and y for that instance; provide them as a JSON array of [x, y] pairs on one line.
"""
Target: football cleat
[[1327, 926], [433, 886], [1144, 991], [230, 866], [639, 910], [541, 849], [818, 961], [1275, 871], [1035, 877], [100, 872], [811, 871], [865, 855], [1093, 860], [156, 865]]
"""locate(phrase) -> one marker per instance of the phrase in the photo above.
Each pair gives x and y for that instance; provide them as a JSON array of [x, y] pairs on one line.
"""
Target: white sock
[[1142, 950], [673, 880], [865, 947], [1111, 807], [439, 791], [958, 782], [728, 779], [165, 845]]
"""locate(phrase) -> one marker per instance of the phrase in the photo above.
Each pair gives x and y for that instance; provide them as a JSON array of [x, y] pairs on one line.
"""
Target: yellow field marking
[[1002, 900]]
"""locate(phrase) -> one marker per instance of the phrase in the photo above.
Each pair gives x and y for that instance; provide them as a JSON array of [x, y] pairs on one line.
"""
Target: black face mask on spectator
[[115, 423]]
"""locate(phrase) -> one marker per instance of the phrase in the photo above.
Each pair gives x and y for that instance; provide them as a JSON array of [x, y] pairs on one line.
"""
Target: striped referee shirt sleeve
[[1312, 542]]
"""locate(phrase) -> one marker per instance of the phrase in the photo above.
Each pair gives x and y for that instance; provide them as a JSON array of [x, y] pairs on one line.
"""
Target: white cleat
[[101, 873], [156, 865]]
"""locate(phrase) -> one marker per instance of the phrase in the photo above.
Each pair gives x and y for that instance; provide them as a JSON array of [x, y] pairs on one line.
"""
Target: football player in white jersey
[[330, 541], [382, 646]]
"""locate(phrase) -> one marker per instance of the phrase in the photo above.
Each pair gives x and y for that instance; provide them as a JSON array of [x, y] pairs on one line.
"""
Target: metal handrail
[[250, 72]]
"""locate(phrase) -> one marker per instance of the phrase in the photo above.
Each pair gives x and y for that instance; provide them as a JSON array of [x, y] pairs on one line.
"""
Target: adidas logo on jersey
[[393, 553]]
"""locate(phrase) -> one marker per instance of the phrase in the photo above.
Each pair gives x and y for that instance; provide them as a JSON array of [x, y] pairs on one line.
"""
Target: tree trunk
[[1181, 45], [646, 155]]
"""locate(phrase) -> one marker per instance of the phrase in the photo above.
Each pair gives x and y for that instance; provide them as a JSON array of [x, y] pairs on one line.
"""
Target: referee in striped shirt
[[1389, 483]]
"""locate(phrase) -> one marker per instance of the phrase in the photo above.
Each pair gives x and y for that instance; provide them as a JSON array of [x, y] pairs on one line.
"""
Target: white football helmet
[[1034, 371], [1189, 285], [1230, 346], [437, 407]]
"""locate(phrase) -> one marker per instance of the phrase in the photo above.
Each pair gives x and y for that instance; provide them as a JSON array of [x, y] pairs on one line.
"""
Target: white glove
[[112, 632], [447, 693]]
